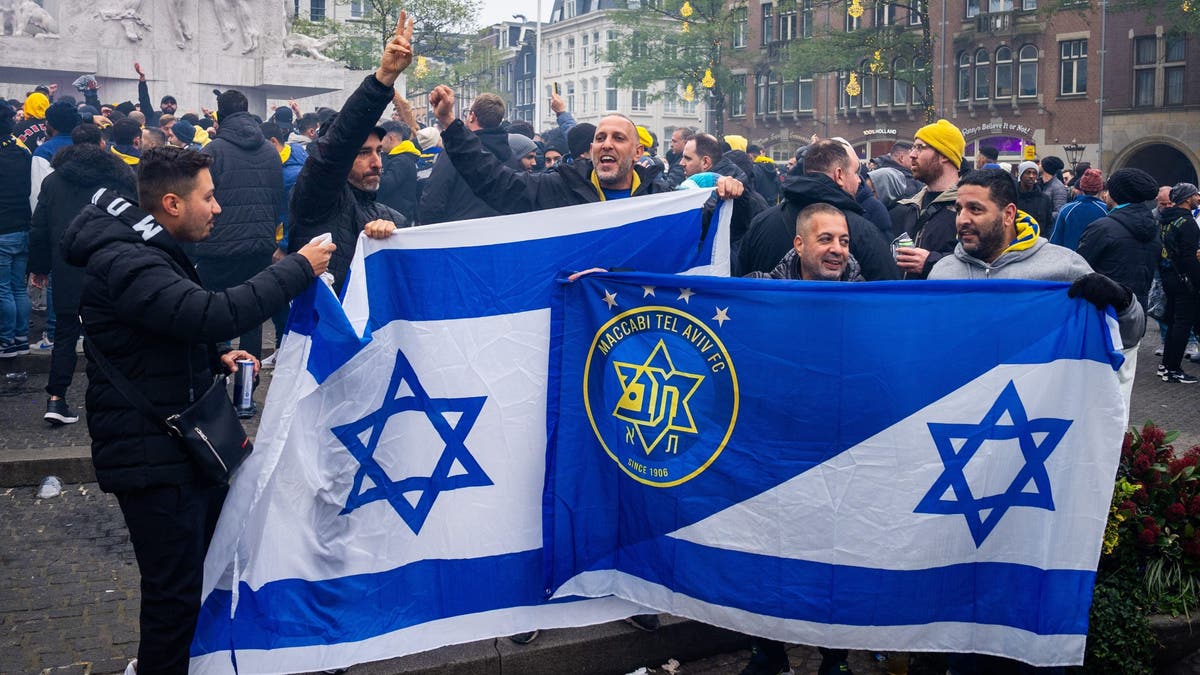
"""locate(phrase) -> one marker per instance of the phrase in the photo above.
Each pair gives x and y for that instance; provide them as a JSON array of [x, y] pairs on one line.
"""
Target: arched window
[[1027, 72], [1004, 73], [964, 76], [919, 80], [982, 90], [900, 82]]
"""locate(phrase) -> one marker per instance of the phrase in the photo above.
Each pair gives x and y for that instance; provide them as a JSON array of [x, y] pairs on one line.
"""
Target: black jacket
[[248, 178], [873, 209], [447, 196], [766, 181], [143, 308], [398, 184], [79, 170], [15, 162], [1124, 246], [322, 200], [674, 175], [773, 232], [931, 228], [509, 191], [1039, 207], [745, 208], [1180, 237]]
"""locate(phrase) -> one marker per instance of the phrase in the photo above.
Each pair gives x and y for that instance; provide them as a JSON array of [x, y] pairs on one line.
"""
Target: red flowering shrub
[[1162, 512]]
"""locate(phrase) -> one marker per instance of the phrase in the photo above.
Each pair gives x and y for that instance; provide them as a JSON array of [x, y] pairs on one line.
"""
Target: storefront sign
[[993, 127]]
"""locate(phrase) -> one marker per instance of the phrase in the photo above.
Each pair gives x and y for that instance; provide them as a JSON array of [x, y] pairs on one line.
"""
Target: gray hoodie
[[1042, 262]]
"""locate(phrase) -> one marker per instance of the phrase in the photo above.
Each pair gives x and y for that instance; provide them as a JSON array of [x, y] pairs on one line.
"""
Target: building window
[[806, 19], [915, 12], [610, 93], [885, 14], [767, 28], [316, 10], [845, 101], [867, 82], [570, 50], [997, 6], [852, 23], [583, 95], [917, 81], [772, 93], [899, 85], [583, 55], [760, 94], [1027, 75], [1028, 5], [790, 95], [972, 10], [596, 94], [670, 100], [740, 19], [982, 90], [639, 101], [1004, 73], [787, 21], [1073, 67], [570, 96], [806, 93], [1173, 71], [964, 76], [737, 97], [596, 47], [358, 9]]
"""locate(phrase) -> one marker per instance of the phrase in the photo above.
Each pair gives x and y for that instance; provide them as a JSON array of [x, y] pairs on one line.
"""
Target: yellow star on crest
[[722, 316], [654, 398], [685, 294]]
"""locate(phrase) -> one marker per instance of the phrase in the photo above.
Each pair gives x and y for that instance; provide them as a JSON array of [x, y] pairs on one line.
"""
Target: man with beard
[[996, 241], [336, 189], [928, 217], [831, 177], [610, 173]]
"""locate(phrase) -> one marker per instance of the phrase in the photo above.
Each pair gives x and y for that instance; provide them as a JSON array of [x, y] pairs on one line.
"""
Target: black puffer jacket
[[447, 196], [1124, 246], [143, 308], [509, 191], [1181, 238], [79, 170], [15, 162], [773, 232], [322, 200], [248, 177]]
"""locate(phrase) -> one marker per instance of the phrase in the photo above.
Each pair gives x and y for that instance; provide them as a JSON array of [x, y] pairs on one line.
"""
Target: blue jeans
[[14, 297]]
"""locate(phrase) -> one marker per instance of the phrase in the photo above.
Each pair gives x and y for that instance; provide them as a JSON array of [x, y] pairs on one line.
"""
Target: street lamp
[[1074, 152]]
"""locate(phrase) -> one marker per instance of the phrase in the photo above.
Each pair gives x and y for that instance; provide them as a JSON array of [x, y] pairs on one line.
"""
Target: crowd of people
[[162, 237]]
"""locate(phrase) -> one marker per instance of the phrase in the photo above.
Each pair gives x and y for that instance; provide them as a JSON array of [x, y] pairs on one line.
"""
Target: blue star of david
[[429, 487], [1034, 470]]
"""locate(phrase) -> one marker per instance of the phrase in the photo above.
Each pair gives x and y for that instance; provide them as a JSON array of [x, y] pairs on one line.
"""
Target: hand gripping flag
[[891, 466], [393, 501]]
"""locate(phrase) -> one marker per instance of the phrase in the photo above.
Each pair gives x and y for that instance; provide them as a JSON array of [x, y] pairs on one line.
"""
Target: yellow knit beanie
[[945, 138], [736, 142]]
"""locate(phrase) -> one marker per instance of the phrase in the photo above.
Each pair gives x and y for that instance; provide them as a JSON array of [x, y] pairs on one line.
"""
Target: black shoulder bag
[[209, 428]]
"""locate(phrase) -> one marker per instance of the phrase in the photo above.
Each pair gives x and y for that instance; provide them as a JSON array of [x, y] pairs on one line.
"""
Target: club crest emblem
[[661, 394]]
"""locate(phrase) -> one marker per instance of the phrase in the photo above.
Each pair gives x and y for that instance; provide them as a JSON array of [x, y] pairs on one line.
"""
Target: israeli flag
[[888, 466], [393, 503]]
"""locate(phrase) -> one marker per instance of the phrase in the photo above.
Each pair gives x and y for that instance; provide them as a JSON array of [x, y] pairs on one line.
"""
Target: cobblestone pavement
[[68, 579]]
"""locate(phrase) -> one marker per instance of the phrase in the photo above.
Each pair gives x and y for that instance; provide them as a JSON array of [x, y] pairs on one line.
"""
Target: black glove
[[1101, 291]]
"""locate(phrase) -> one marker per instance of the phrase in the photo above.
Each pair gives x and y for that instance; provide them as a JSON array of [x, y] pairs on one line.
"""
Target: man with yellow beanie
[[32, 131], [927, 218]]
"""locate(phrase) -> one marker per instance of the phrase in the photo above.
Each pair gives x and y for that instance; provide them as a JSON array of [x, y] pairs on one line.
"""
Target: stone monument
[[186, 47]]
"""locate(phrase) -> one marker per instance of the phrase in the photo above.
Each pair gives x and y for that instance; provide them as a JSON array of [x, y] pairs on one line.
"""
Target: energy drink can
[[903, 241], [243, 389]]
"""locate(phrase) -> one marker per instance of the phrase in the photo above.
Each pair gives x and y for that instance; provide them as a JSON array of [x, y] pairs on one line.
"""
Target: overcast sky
[[502, 10]]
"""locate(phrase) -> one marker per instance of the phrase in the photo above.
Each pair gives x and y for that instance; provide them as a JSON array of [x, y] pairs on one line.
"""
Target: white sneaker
[[45, 344], [1158, 352], [1192, 350], [131, 669]]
